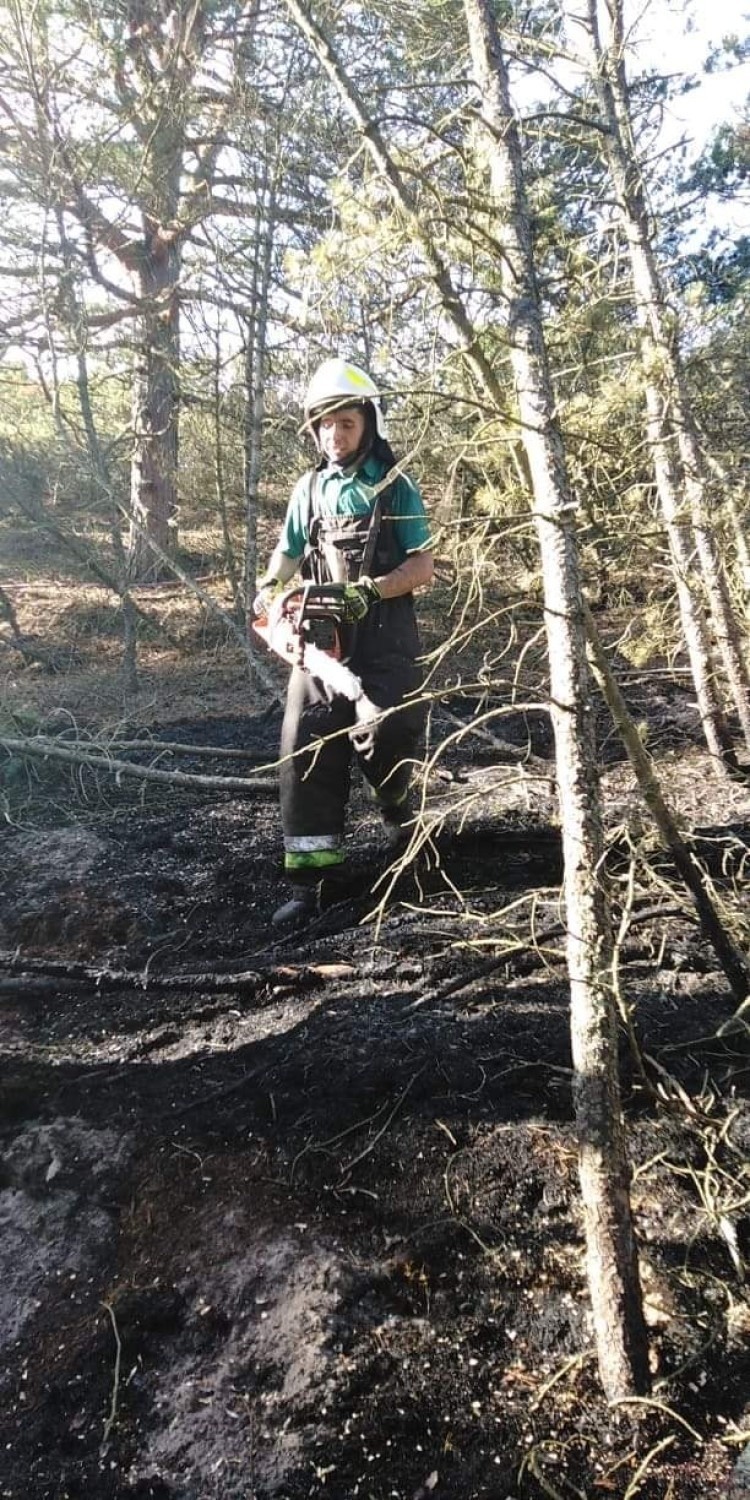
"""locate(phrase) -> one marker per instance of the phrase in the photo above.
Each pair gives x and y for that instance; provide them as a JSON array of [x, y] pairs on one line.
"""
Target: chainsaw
[[303, 627]]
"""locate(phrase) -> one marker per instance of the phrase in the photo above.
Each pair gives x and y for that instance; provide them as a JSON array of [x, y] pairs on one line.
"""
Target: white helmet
[[338, 383]]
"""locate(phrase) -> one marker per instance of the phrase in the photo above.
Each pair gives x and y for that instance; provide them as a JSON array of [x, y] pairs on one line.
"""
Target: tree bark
[[153, 488], [255, 367], [603, 1166]]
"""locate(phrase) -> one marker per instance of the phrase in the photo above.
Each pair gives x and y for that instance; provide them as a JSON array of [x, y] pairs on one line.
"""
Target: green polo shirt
[[343, 492]]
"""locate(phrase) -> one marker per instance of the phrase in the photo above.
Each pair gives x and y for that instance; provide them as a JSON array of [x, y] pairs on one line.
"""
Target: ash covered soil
[[299, 1217]]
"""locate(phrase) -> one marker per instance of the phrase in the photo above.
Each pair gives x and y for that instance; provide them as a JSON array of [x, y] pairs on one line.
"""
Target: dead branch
[[40, 748], [517, 755], [45, 976], [173, 747], [35, 512], [255, 661]]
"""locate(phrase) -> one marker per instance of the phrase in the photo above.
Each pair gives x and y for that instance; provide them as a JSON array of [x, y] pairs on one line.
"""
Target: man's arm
[[414, 573], [280, 569]]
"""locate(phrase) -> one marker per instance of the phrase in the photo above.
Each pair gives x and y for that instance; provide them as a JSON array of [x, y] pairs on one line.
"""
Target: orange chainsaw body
[[309, 614]]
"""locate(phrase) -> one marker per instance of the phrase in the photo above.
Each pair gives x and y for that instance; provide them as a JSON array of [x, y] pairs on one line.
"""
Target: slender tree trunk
[[77, 324], [129, 616], [728, 636], [613, 1271], [255, 369], [668, 407], [153, 491], [436, 267], [603, 1164], [230, 558], [687, 582], [741, 543]]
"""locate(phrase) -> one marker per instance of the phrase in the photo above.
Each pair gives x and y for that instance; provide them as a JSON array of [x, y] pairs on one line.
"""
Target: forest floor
[[300, 1218]]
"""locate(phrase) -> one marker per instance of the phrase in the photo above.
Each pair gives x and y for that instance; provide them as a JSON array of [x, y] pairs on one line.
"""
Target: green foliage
[[725, 166]]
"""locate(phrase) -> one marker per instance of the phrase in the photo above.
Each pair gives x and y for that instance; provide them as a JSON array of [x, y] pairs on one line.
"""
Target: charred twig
[[635, 1483], [489, 966], [345, 1170], [353, 1129], [222, 1091], [112, 1418]]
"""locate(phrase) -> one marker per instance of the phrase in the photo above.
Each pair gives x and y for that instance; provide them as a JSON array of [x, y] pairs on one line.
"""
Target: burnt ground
[[300, 1218]]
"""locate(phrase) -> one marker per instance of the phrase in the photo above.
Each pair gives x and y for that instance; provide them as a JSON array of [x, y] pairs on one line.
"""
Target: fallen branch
[[51, 660], [40, 748], [29, 975], [489, 966], [533, 952], [173, 747]]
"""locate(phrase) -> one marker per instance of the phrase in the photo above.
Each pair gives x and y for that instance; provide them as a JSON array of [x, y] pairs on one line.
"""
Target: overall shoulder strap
[[311, 499], [371, 542]]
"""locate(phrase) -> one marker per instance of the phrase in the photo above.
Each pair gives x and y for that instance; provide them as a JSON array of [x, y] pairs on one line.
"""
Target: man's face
[[340, 433]]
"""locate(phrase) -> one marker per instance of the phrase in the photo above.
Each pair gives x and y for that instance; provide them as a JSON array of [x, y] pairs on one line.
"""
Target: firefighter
[[343, 525]]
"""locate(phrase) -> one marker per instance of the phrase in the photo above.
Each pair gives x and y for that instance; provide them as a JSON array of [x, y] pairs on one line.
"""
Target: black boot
[[397, 821], [302, 907]]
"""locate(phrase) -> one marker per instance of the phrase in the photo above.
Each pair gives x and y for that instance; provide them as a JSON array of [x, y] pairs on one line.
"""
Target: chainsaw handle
[[313, 593]]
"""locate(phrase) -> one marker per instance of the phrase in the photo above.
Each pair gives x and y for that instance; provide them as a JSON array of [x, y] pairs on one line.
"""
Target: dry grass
[[204, 673]]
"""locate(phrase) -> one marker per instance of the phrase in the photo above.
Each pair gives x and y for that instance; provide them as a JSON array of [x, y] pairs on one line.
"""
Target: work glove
[[357, 599], [268, 591], [362, 734]]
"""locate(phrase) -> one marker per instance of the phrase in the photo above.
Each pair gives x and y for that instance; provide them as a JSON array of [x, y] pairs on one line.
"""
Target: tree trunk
[[728, 636], [230, 557], [670, 427], [153, 490], [687, 583], [613, 1271], [75, 314], [741, 543], [255, 367], [603, 1165]]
